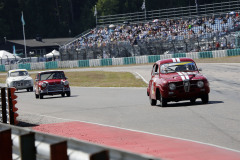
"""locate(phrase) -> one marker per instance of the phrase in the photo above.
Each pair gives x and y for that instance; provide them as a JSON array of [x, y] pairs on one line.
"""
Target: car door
[[152, 83]]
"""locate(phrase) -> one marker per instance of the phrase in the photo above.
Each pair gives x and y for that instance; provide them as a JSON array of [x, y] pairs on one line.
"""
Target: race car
[[20, 79], [51, 83], [177, 79]]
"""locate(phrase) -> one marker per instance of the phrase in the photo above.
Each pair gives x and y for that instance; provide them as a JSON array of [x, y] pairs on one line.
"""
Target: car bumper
[[49, 92], [181, 95]]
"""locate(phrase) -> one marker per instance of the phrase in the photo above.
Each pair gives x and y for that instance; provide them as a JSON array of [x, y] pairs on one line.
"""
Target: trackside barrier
[[83, 63], [8, 106], [27, 144], [119, 61], [2, 68]]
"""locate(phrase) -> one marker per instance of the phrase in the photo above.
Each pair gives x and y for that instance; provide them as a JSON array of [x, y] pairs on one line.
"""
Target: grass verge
[[98, 79]]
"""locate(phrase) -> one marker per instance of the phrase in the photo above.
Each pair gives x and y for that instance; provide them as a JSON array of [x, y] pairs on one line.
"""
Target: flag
[[143, 5], [95, 11], [23, 22], [14, 50]]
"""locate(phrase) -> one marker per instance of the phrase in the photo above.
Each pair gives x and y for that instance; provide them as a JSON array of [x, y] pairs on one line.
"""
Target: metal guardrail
[[26, 144]]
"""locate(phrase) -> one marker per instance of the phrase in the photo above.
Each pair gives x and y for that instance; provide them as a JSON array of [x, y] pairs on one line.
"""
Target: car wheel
[[153, 102], [63, 94], [41, 96], [31, 89], [193, 101], [163, 101], [36, 96], [68, 93], [205, 99], [27, 90]]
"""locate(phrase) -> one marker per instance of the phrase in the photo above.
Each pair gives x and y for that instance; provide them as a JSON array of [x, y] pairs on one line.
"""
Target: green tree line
[[68, 18]]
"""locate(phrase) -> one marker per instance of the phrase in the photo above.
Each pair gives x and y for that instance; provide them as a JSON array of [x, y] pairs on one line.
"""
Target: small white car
[[20, 79]]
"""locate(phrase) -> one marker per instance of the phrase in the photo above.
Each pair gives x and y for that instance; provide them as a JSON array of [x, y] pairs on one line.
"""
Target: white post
[[23, 23]]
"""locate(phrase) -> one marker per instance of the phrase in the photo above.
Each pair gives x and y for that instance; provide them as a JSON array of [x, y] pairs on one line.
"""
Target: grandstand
[[177, 30]]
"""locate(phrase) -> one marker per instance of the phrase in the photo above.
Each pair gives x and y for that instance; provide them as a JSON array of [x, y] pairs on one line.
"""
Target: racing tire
[[63, 94], [68, 94], [41, 96], [193, 101], [163, 101], [36, 96], [205, 99], [153, 102]]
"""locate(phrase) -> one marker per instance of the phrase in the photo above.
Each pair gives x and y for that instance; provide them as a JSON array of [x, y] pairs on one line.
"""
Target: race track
[[216, 123]]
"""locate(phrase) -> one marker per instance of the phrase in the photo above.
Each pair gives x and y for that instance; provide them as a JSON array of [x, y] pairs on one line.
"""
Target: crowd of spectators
[[165, 30]]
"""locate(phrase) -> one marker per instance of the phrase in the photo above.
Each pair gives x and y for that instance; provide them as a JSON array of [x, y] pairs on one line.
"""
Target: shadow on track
[[187, 104]]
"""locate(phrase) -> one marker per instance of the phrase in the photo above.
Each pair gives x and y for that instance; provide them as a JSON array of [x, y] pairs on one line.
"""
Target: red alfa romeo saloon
[[177, 79], [51, 83]]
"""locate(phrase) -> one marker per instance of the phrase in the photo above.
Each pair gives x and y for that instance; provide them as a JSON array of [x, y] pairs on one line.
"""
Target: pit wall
[[119, 61]]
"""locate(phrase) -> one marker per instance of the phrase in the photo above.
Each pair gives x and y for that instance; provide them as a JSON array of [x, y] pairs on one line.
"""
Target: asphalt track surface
[[215, 124]]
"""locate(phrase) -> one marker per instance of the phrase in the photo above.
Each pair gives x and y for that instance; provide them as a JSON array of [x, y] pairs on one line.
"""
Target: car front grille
[[55, 87], [22, 83], [186, 86]]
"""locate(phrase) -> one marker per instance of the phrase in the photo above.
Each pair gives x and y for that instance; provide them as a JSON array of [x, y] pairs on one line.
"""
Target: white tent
[[54, 53], [7, 55]]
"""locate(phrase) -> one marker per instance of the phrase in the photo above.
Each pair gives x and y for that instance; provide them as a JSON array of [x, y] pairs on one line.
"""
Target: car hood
[[181, 76], [19, 78], [53, 81]]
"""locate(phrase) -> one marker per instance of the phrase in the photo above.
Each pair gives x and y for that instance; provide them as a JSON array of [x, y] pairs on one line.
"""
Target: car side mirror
[[66, 77], [200, 69], [36, 80]]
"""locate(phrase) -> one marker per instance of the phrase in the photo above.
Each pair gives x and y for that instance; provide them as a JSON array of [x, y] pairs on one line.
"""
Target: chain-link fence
[[219, 31]]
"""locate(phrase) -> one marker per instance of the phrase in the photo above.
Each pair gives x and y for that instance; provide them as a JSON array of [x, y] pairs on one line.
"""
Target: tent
[[7, 55], [54, 53]]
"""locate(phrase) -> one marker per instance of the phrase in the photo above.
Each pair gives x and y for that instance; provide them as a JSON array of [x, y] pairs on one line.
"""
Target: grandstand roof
[[43, 42]]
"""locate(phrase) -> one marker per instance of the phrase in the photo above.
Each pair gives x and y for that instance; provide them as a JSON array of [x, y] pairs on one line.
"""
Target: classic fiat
[[177, 79], [51, 83]]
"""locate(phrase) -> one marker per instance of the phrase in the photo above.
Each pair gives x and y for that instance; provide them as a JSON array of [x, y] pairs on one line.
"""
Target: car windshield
[[178, 67], [18, 73], [52, 75]]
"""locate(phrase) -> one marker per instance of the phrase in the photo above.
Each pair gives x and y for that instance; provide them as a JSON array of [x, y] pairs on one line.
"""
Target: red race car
[[51, 83], [177, 79]]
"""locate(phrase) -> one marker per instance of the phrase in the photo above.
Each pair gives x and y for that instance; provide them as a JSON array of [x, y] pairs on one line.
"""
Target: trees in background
[[67, 18]]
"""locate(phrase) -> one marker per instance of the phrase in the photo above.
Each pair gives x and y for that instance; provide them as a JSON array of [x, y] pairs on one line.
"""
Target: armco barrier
[[119, 61], [83, 63], [2, 68], [129, 60], [205, 54], [26, 66], [51, 65], [106, 62], [233, 52], [21, 143]]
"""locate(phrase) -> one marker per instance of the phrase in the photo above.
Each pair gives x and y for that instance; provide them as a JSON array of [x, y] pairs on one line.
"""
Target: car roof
[[171, 60], [50, 71], [14, 70]]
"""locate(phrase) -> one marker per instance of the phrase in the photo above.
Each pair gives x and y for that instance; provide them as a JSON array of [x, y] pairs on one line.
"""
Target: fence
[[27, 144], [120, 61]]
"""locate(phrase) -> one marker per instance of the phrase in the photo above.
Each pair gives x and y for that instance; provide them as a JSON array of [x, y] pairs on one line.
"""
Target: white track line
[[213, 145], [142, 77]]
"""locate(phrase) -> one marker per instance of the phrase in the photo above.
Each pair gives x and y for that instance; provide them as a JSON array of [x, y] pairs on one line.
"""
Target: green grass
[[98, 79]]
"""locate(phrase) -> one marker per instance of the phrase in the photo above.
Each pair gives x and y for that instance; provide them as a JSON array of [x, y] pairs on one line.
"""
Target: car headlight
[[66, 83], [200, 84], [44, 85], [172, 86]]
